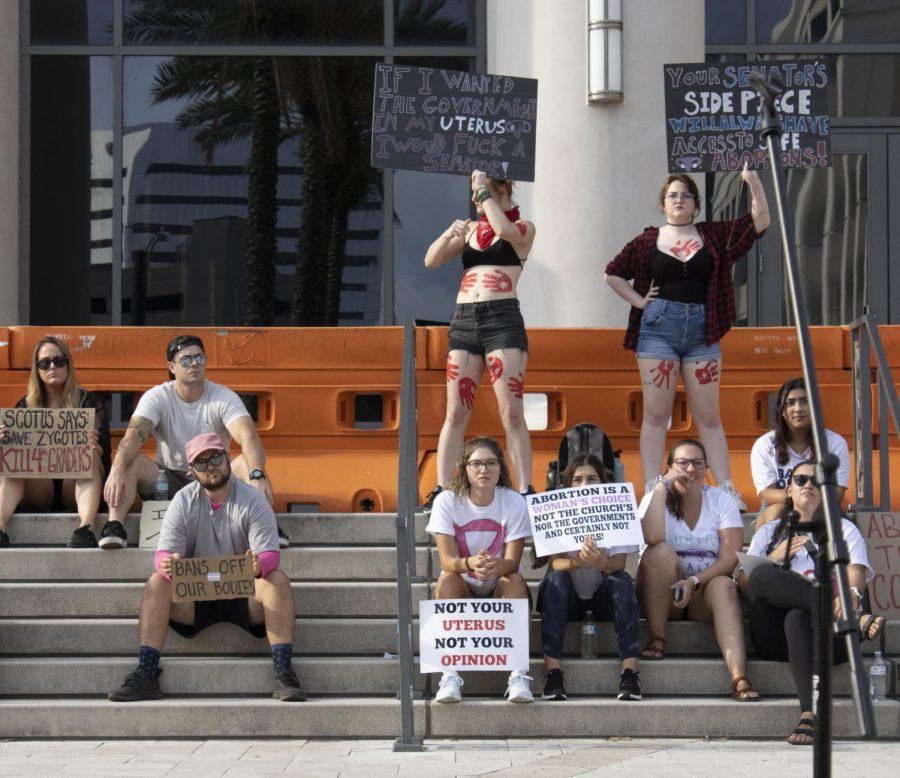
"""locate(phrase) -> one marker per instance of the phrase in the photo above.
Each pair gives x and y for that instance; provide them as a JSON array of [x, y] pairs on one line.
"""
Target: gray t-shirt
[[175, 422], [193, 529]]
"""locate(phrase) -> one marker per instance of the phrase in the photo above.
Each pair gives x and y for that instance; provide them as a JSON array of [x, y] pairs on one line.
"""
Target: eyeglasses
[[487, 464], [801, 479], [44, 364], [673, 196], [200, 464], [684, 464], [189, 359]]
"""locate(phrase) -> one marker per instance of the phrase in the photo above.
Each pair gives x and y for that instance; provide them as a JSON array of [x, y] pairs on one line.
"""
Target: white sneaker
[[519, 687], [450, 689], [728, 488]]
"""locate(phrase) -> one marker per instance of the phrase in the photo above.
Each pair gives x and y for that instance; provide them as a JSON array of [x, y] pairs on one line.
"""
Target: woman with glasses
[[52, 384], [781, 601], [775, 454], [479, 524], [692, 533], [682, 304]]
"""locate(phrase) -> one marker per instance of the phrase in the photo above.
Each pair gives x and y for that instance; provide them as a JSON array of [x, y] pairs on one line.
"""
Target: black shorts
[[481, 328], [209, 612], [177, 481]]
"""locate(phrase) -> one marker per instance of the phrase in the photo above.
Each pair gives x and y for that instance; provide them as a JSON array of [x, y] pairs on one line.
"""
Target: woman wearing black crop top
[[682, 304], [487, 326]]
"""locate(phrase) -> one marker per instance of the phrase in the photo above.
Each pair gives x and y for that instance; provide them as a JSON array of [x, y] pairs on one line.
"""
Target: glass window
[[447, 23], [71, 190], [71, 21], [263, 21], [826, 21], [726, 21]]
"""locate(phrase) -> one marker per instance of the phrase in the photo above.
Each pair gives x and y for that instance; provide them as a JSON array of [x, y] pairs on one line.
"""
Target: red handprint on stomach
[[663, 373], [498, 282], [708, 373], [686, 251], [495, 368], [468, 281], [452, 370], [466, 390], [517, 385]]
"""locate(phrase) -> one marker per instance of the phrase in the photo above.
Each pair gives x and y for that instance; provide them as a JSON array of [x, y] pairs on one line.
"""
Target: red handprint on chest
[[468, 281], [498, 281], [708, 373], [495, 368], [467, 392], [685, 250]]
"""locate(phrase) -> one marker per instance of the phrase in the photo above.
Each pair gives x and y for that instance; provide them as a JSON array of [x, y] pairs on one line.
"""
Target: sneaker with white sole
[[450, 689], [519, 687], [113, 535]]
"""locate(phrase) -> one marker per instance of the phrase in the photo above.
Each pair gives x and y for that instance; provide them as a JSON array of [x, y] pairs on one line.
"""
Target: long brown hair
[[674, 500], [459, 483], [36, 396], [783, 517], [782, 430]]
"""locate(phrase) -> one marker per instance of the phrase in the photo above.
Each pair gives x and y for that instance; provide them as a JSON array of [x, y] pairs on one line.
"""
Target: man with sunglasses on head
[[175, 412], [215, 516]]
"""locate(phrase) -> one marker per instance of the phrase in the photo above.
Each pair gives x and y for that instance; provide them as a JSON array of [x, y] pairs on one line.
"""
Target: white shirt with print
[[587, 580]]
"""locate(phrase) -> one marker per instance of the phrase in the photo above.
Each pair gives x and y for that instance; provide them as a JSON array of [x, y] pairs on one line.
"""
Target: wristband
[[466, 563], [481, 195], [661, 479], [696, 581]]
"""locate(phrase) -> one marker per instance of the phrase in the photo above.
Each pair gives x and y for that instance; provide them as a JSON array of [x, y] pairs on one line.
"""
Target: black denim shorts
[[481, 328], [209, 612]]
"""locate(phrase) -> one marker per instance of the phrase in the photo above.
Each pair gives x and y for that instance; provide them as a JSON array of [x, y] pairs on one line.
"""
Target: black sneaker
[[554, 686], [629, 685], [287, 687], [113, 535], [4, 539], [83, 537], [283, 540], [139, 685], [529, 491], [429, 500]]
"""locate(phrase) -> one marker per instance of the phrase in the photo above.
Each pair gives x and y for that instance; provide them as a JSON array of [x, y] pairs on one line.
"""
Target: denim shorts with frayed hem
[[492, 325], [675, 331]]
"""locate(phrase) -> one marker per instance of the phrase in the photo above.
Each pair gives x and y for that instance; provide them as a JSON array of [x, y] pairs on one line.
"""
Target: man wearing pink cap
[[215, 515]]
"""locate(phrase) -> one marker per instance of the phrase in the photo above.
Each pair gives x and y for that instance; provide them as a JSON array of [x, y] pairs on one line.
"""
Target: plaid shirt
[[727, 242]]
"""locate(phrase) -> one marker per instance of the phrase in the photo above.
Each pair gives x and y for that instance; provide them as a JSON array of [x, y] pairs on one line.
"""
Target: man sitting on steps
[[216, 515]]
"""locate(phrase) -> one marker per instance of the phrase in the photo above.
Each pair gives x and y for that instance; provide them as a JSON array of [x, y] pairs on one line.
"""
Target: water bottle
[[878, 678], [162, 485], [619, 470], [589, 636]]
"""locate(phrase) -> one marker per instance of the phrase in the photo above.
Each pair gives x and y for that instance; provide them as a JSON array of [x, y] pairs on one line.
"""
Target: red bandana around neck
[[485, 233]]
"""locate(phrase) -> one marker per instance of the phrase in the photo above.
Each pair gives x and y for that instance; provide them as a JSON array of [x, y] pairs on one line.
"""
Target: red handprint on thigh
[[495, 368], [466, 390], [498, 282], [708, 373], [468, 281], [517, 385], [452, 370], [664, 373]]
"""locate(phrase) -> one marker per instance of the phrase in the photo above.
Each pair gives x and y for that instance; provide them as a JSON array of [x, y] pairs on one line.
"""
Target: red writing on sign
[[474, 625], [882, 534]]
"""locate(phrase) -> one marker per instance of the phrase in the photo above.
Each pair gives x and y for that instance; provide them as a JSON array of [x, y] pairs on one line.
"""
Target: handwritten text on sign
[[451, 121], [882, 534], [212, 578], [152, 514], [41, 442], [713, 123], [561, 518], [473, 635]]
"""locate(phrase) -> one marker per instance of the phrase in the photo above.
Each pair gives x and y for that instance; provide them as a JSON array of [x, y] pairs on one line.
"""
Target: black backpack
[[584, 438]]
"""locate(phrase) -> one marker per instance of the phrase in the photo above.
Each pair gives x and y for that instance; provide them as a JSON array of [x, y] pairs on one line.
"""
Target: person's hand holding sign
[[165, 567], [589, 555], [3, 438], [255, 558], [479, 178]]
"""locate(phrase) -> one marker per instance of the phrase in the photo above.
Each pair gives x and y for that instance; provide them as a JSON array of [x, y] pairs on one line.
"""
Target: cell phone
[[679, 592]]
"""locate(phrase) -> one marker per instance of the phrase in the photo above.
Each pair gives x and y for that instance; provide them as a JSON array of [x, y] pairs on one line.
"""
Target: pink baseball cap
[[208, 441]]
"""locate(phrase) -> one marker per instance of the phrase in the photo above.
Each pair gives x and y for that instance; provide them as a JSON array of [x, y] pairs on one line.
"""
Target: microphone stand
[[832, 556]]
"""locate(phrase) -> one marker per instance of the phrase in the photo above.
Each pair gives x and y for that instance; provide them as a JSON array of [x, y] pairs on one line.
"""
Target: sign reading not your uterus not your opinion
[[46, 442], [451, 121]]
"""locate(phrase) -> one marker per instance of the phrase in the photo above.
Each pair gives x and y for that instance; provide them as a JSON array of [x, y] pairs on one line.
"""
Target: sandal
[[748, 694], [654, 651], [807, 728], [866, 622]]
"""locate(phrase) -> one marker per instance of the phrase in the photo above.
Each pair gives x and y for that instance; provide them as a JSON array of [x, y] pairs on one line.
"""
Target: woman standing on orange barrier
[[487, 325], [682, 301]]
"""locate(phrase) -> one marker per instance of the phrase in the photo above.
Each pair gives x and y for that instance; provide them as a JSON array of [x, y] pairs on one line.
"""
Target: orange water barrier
[[327, 399]]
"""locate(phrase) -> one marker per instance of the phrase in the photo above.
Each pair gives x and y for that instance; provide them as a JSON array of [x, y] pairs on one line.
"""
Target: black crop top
[[499, 253], [681, 282]]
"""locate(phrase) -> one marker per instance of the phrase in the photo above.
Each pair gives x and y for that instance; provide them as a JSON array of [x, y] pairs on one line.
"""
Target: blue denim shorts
[[675, 331]]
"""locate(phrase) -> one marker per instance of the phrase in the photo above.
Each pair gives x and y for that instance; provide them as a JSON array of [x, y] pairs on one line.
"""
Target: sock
[[148, 660], [281, 657]]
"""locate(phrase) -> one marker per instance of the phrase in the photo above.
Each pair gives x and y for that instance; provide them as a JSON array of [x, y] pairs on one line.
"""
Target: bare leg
[[142, 471], [506, 369], [464, 371], [34, 493], [84, 494], [701, 382], [451, 586], [274, 605], [511, 587], [660, 569], [156, 610], [659, 377], [769, 514]]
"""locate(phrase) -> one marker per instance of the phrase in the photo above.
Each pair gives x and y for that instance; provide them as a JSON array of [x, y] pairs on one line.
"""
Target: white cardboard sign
[[152, 513], [561, 518], [473, 634]]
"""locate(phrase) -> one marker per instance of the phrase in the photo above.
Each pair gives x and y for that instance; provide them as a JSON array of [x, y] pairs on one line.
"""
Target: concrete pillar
[[9, 163]]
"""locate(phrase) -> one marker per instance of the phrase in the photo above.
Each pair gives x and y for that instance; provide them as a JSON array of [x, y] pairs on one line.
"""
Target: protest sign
[[561, 518], [882, 534], [713, 123], [152, 513], [212, 578], [451, 121], [473, 634], [46, 442]]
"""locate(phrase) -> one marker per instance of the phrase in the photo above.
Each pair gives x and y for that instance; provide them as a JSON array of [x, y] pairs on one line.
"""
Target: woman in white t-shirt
[[480, 523], [781, 602], [775, 454], [692, 533]]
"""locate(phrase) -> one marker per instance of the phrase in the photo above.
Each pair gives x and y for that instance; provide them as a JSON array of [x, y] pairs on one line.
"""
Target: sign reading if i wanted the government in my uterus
[[560, 519]]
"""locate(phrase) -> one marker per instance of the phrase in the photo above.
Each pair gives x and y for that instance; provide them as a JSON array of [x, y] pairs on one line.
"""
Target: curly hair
[[782, 430], [674, 501], [459, 483]]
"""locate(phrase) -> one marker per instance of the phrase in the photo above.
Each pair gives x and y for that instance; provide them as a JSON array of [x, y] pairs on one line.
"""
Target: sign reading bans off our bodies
[[473, 634], [713, 122], [212, 578], [561, 518], [451, 121], [42, 442]]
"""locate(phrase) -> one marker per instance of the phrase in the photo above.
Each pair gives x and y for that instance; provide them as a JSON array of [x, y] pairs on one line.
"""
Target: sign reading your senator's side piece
[[42, 442], [212, 578], [452, 121], [713, 122], [561, 518]]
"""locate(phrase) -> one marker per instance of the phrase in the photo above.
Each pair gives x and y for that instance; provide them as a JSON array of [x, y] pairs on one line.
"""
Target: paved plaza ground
[[551, 758]]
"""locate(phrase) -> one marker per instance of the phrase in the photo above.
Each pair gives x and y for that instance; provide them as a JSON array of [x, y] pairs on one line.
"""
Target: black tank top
[[681, 282], [500, 253]]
